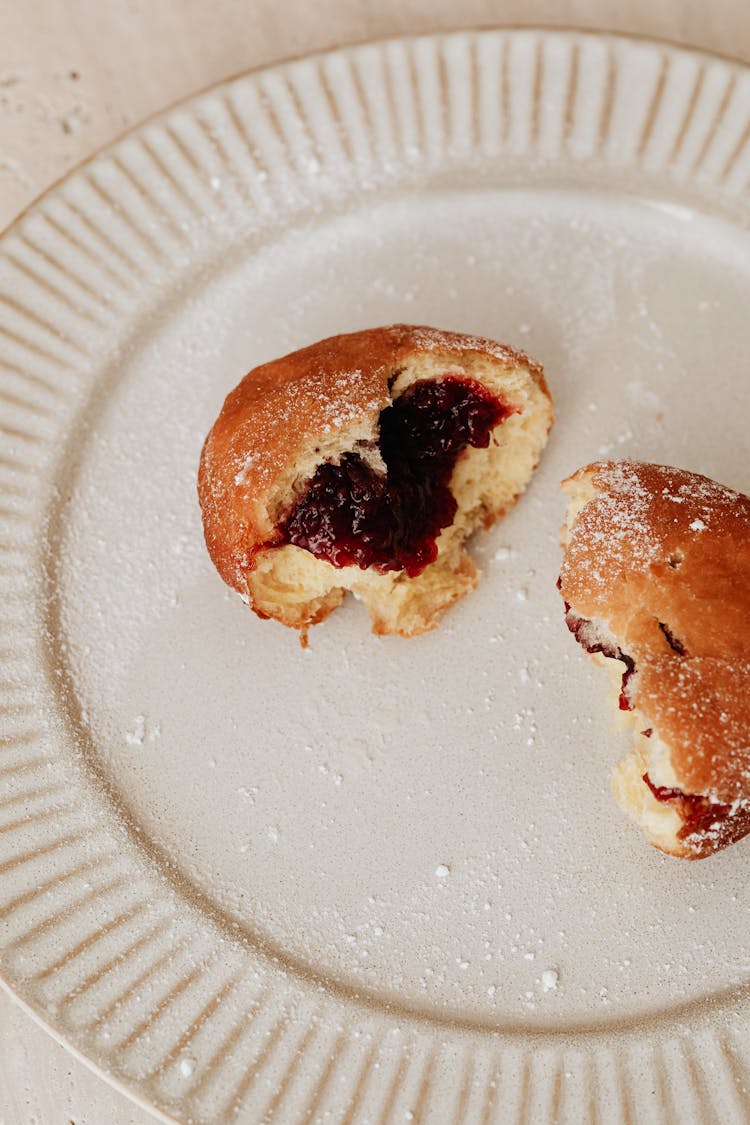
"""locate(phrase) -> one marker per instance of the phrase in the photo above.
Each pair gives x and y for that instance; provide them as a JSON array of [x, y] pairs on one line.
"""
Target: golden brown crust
[[700, 707], [661, 545], [661, 558], [280, 410]]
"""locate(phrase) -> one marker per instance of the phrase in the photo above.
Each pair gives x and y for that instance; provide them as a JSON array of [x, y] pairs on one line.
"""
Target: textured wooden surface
[[74, 74]]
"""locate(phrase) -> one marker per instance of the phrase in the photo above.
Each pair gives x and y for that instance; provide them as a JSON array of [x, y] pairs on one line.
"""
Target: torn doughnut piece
[[656, 583], [363, 463]]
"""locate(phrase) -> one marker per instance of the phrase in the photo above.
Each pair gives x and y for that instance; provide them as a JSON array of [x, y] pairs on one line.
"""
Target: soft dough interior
[[291, 584], [660, 821]]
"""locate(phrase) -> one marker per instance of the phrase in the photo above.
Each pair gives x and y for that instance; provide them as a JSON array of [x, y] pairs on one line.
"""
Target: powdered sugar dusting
[[247, 463], [639, 510], [428, 339]]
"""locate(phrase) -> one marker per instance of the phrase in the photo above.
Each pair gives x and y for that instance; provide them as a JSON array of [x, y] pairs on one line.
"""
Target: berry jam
[[698, 813], [351, 514], [673, 642], [583, 632]]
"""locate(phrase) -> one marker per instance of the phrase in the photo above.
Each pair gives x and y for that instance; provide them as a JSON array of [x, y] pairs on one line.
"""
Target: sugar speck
[[442, 871], [136, 736], [549, 980]]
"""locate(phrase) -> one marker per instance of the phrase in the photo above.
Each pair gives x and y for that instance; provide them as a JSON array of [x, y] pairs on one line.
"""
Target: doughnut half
[[656, 581], [362, 463]]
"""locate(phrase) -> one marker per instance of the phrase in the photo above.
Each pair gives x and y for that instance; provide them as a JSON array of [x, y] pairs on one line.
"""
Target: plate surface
[[378, 879]]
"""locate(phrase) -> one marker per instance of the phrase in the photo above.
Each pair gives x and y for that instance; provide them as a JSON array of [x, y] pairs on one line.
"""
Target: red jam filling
[[698, 813], [351, 514], [580, 628], [674, 643]]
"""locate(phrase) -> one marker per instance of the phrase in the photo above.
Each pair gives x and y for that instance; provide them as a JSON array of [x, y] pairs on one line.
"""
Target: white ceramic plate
[[380, 879]]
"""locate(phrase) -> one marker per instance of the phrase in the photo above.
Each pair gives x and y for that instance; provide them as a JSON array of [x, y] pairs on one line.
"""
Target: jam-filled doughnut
[[656, 579], [362, 463]]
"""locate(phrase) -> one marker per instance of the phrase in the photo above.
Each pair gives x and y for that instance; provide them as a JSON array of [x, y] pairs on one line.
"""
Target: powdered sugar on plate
[[318, 798]]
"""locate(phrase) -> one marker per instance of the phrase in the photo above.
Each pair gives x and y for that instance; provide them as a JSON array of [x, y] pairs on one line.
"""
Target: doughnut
[[656, 583], [363, 462]]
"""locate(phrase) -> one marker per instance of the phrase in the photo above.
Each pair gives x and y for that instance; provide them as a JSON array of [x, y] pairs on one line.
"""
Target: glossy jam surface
[[697, 812], [351, 514]]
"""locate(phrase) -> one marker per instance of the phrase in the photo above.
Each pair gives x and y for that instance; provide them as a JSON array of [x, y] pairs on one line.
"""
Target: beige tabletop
[[74, 74]]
